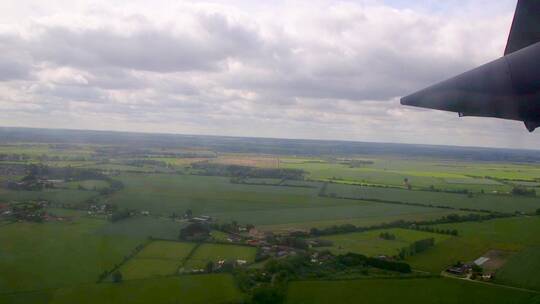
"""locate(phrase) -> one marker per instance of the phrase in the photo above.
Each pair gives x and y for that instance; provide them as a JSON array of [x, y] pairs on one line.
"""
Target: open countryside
[[196, 220]]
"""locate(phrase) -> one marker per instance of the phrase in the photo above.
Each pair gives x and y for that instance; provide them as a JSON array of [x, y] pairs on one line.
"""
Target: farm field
[[447, 291], [369, 243], [36, 256], [522, 269], [262, 205], [147, 268], [166, 250], [419, 173], [158, 258], [365, 221], [143, 227], [498, 203], [60, 196], [87, 184], [513, 234], [112, 230], [179, 289]]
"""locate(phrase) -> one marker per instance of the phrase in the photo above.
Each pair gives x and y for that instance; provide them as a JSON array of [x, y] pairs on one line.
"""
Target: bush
[[117, 277]]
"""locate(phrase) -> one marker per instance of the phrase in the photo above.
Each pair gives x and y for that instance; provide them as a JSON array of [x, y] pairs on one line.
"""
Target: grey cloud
[[15, 63], [148, 49], [333, 72]]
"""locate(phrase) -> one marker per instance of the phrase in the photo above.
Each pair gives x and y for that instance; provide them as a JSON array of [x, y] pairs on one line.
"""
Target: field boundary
[[127, 258]]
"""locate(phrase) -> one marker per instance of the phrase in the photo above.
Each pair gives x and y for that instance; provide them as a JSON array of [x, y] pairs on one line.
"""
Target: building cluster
[[31, 211]]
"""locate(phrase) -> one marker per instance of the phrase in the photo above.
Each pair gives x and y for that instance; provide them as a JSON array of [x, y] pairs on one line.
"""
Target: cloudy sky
[[289, 69]]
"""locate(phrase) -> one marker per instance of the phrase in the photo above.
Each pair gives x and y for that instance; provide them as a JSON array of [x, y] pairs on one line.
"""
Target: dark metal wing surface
[[525, 29], [507, 88]]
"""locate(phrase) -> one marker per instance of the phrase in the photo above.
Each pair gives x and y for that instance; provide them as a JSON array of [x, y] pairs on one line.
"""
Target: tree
[[117, 277], [538, 211], [209, 267]]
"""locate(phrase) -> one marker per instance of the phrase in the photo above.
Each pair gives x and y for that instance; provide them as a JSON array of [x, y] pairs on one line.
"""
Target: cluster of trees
[[114, 186], [355, 259], [522, 191], [268, 284], [416, 247], [295, 242], [213, 169], [356, 163], [387, 236], [451, 218], [36, 175], [28, 211], [231, 227], [14, 157], [432, 188], [453, 232], [195, 232], [119, 215], [143, 162]]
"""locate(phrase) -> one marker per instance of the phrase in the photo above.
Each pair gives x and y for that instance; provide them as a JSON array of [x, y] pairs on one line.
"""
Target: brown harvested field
[[248, 160], [497, 258]]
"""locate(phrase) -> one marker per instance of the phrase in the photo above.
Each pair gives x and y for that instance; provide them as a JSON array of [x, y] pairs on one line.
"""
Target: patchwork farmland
[[100, 223]]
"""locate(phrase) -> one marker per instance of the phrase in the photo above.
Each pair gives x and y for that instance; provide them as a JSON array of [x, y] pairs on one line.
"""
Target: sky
[[287, 69]]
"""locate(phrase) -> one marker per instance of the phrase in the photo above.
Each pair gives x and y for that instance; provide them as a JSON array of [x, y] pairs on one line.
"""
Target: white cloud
[[304, 69]]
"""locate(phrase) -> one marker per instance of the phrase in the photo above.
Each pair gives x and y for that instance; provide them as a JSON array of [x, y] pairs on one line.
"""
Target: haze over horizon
[[309, 69]]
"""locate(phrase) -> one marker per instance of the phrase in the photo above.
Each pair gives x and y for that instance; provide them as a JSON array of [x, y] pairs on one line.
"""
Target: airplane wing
[[525, 29], [507, 88]]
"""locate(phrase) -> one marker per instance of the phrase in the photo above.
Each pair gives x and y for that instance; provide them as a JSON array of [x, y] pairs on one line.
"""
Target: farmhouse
[[460, 269]]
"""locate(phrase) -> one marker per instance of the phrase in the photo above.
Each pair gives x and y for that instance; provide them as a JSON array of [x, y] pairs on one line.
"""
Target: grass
[[476, 238], [365, 221], [145, 268], [417, 291], [159, 258], [51, 255], [369, 243], [500, 203], [179, 289], [164, 194], [166, 250], [87, 184], [215, 252], [421, 173], [60, 196], [522, 269], [143, 227], [219, 236]]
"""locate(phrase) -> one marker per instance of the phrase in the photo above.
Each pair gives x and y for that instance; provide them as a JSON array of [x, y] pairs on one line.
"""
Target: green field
[[476, 238], [60, 260], [158, 258], [499, 203], [369, 243], [260, 205], [60, 196], [147, 268], [444, 291], [179, 289], [87, 184], [51, 255], [215, 252], [166, 250], [522, 269], [143, 227]]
